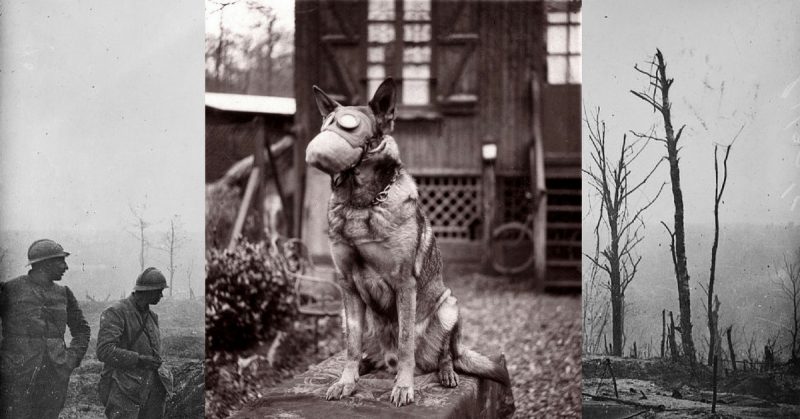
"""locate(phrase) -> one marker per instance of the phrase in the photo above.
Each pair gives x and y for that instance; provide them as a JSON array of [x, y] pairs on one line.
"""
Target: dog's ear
[[325, 104], [382, 105]]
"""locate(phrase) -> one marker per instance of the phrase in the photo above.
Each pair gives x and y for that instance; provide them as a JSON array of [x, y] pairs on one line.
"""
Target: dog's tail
[[467, 361]]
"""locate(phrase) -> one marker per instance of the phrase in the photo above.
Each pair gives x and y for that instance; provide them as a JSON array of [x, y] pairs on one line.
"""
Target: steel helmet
[[45, 249], [151, 279]]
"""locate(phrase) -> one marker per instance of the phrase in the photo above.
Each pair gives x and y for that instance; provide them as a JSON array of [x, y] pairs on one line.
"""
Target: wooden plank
[[538, 184], [488, 197], [252, 184]]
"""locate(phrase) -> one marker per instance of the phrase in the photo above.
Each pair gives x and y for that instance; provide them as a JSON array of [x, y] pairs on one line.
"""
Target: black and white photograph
[[691, 247], [393, 208], [101, 210]]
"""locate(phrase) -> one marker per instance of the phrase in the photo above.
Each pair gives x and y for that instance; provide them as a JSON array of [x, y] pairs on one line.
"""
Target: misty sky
[[734, 63], [101, 107]]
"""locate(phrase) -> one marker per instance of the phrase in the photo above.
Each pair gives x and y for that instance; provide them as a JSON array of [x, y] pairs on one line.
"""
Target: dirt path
[[540, 335]]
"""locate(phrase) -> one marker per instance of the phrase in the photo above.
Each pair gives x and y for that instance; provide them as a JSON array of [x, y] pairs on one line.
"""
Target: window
[[563, 42], [399, 44]]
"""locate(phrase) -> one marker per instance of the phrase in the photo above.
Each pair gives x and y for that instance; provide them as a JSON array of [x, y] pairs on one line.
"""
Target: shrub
[[249, 295]]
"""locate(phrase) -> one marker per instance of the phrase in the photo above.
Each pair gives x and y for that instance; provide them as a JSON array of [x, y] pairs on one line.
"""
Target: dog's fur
[[398, 313]]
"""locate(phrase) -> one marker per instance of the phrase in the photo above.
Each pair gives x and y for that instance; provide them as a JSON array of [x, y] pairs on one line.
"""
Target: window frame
[[394, 65], [572, 73]]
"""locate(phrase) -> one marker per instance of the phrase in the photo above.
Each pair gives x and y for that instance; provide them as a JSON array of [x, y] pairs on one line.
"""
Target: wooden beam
[[488, 196], [252, 183], [538, 186]]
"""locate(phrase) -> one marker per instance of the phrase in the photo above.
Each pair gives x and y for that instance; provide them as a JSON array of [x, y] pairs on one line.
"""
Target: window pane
[[575, 70], [575, 39], [372, 86], [376, 72], [415, 92], [575, 17], [417, 55], [556, 69], [381, 10], [376, 54], [416, 72], [417, 32], [417, 10], [557, 17], [380, 32], [557, 39]]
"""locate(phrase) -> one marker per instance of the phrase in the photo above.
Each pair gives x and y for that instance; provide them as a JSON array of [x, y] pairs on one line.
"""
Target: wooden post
[[254, 184], [488, 197], [260, 143], [276, 176], [538, 186]]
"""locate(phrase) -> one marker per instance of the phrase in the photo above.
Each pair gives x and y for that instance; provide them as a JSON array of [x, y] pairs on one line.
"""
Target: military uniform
[[127, 389], [35, 363]]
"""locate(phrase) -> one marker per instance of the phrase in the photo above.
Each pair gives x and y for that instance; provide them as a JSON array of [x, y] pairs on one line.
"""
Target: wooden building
[[468, 73]]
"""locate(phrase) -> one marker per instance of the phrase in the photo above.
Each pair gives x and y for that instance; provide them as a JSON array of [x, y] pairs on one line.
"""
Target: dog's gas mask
[[350, 134], [346, 136]]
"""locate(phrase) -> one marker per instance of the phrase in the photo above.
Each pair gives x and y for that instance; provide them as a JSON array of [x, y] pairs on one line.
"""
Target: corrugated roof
[[269, 105]]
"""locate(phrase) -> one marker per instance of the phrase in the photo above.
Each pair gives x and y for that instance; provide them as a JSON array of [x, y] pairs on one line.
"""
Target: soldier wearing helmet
[[35, 362], [134, 382]]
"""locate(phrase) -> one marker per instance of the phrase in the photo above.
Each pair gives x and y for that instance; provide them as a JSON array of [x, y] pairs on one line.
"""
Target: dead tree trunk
[[713, 316], [673, 347], [661, 84], [730, 347], [663, 330]]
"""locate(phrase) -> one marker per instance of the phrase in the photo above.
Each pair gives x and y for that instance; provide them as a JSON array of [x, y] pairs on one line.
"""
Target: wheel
[[512, 248]]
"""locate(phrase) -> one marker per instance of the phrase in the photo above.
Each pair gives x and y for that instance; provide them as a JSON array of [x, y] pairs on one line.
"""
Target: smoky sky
[[736, 66], [101, 108]]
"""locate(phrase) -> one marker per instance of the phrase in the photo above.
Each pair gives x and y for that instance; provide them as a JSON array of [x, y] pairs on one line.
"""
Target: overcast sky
[[101, 107], [734, 63]]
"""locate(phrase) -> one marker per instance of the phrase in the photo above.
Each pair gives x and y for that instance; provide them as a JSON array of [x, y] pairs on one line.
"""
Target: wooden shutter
[[341, 61], [456, 29]]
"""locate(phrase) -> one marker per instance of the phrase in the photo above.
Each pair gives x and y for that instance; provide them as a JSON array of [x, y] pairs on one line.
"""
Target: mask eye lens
[[347, 121]]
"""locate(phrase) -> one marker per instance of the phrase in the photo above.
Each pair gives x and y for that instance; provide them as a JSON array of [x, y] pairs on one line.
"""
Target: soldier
[[134, 382], [35, 363]]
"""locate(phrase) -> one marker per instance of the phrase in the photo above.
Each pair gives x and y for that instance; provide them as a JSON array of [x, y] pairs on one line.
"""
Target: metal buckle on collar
[[383, 195]]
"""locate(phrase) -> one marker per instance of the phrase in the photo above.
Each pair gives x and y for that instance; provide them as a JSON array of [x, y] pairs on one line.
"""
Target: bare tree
[[712, 306], [139, 226], [789, 283], [612, 179], [257, 59], [189, 271], [172, 240], [273, 37], [657, 95]]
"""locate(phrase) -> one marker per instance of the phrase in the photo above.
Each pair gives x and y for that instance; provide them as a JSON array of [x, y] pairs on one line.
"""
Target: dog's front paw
[[340, 389], [402, 395], [448, 377]]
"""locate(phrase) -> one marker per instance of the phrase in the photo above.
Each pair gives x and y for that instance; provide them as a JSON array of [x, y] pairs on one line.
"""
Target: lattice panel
[[452, 203]]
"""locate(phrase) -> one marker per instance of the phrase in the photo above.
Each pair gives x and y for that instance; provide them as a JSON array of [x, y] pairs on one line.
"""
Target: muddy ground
[[182, 333], [658, 388]]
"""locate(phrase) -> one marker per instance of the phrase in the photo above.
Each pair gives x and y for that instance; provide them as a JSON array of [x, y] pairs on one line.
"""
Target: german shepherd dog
[[398, 314]]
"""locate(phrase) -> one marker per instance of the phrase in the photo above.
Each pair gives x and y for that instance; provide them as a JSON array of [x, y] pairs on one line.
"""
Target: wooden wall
[[487, 50], [230, 137]]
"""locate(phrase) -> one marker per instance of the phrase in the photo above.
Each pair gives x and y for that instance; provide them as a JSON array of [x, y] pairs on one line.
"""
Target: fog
[[101, 111], [736, 71]]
